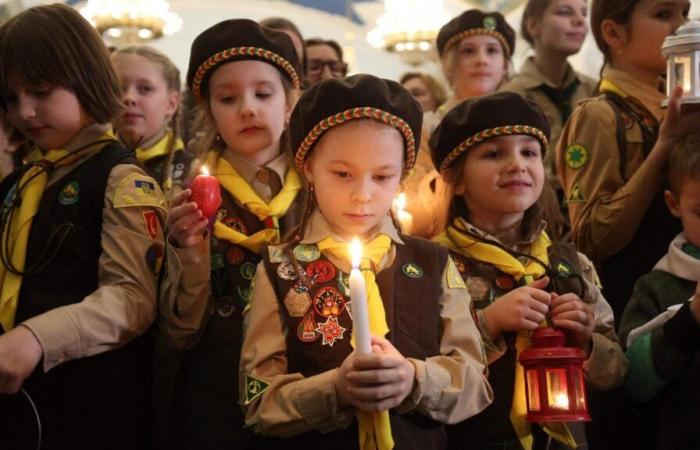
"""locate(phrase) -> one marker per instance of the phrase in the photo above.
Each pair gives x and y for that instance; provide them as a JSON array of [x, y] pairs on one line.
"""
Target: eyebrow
[[386, 166]]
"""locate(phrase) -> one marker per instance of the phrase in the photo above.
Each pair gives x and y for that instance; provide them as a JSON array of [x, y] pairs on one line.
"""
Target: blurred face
[[501, 178], [298, 45], [250, 108], [49, 116], [562, 28], [148, 102], [686, 206], [421, 93], [480, 66], [355, 169], [323, 64]]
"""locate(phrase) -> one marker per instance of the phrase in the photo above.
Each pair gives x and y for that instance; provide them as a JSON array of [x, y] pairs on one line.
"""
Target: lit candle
[[405, 217], [358, 300], [206, 193], [560, 401]]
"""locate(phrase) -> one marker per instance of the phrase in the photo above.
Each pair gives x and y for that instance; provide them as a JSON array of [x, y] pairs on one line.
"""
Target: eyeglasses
[[337, 68]]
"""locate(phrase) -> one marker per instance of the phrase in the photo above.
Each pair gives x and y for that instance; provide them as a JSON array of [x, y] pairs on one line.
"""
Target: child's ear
[[614, 35], [533, 28], [173, 103], [672, 203], [308, 173]]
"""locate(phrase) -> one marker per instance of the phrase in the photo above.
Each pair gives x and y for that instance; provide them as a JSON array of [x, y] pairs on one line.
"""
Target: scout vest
[[656, 230], [315, 308], [486, 283], [182, 161]]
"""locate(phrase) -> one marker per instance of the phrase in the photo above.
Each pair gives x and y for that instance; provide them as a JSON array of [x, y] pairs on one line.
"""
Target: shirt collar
[[647, 96], [248, 170], [531, 76], [318, 229]]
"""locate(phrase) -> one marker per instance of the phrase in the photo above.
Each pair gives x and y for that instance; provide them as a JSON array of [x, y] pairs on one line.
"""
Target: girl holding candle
[[490, 152], [149, 122], [245, 78], [354, 139]]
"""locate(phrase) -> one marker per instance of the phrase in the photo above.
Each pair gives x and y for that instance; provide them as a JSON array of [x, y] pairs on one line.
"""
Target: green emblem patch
[[306, 253], [564, 269], [576, 156], [412, 271], [490, 22], [248, 271], [254, 388], [70, 194]]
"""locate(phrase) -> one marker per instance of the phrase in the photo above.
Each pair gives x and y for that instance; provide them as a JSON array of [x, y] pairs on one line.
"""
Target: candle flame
[[560, 401], [356, 253], [400, 202], [205, 170]]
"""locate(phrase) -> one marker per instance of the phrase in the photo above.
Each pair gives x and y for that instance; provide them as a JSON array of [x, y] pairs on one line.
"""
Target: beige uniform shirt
[[605, 208], [185, 291], [124, 305], [448, 388]]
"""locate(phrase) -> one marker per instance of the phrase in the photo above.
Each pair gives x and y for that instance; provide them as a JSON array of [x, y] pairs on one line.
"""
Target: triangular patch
[[254, 388], [576, 195]]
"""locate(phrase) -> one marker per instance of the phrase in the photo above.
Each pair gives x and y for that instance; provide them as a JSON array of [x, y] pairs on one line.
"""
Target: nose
[[579, 18], [326, 73], [247, 106], [129, 95], [361, 191], [25, 108], [516, 163]]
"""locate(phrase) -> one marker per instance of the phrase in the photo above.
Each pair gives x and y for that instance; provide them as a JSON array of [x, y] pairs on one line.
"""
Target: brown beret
[[476, 22], [481, 118], [236, 40], [336, 101]]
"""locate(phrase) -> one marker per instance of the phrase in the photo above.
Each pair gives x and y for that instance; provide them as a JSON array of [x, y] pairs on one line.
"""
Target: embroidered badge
[[154, 258], [178, 171], [277, 254], [320, 271], [412, 270], [490, 22], [306, 253], [236, 224], [564, 269], [287, 271], [454, 278], [235, 255], [297, 303], [254, 388], [138, 190], [225, 307], [70, 194], [505, 282], [576, 156], [221, 214], [478, 288], [306, 331], [344, 283], [576, 195], [330, 331], [329, 302], [150, 218], [217, 261], [300, 287], [248, 271], [244, 293]]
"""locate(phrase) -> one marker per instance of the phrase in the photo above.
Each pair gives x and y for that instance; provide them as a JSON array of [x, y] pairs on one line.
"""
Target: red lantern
[[555, 386], [206, 193]]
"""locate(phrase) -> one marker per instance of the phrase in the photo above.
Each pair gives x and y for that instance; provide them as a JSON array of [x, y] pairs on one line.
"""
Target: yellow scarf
[[15, 236], [159, 148], [240, 190], [375, 429], [456, 239]]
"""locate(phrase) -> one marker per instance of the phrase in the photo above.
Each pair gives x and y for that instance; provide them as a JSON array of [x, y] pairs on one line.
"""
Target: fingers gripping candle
[[358, 300], [206, 193]]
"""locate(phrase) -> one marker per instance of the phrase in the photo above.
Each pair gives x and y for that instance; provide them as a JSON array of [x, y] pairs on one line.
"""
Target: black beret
[[481, 118], [336, 101], [235, 40], [475, 22]]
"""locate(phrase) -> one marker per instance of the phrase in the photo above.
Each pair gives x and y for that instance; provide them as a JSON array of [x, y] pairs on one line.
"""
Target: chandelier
[[409, 28], [132, 21]]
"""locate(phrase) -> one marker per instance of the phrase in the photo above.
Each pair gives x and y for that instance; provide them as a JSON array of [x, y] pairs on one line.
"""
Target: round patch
[[412, 270], [505, 282], [297, 304], [154, 257], [236, 224], [235, 255], [248, 271], [490, 22], [320, 271], [329, 302], [306, 331], [225, 307], [287, 271], [306, 253], [478, 288], [70, 194], [576, 156]]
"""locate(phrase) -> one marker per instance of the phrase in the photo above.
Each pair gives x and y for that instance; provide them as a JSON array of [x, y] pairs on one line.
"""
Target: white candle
[[358, 300], [405, 217]]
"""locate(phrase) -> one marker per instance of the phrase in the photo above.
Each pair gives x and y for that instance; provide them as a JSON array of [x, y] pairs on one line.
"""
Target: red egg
[[206, 194]]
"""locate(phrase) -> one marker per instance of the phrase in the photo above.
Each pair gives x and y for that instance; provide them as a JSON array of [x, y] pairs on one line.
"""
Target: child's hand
[[675, 125], [375, 382], [570, 313], [20, 352], [520, 309], [185, 222]]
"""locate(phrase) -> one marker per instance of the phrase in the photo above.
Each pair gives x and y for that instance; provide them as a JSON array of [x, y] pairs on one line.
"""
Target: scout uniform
[[207, 287], [299, 326], [92, 247], [424, 186], [618, 215], [490, 270]]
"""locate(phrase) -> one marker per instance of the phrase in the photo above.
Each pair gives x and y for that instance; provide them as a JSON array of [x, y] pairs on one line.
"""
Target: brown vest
[[314, 302]]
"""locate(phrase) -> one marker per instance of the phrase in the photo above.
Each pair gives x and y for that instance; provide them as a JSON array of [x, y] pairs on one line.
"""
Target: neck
[[552, 65], [506, 228], [259, 158], [644, 76]]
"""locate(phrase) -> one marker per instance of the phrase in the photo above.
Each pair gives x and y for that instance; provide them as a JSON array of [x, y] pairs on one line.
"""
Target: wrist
[[487, 324]]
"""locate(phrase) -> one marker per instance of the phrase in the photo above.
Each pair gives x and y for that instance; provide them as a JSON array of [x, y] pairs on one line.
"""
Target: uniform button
[[263, 176]]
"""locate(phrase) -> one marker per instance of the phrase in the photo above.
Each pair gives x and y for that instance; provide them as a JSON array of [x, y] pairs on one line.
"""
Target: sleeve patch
[[576, 195], [138, 190], [454, 278], [254, 388]]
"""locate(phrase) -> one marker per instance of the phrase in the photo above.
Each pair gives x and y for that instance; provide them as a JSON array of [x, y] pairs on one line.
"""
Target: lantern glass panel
[[579, 389], [557, 389], [533, 390], [682, 67]]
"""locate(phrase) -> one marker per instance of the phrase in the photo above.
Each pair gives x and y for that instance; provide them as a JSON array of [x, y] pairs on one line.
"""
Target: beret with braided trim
[[476, 22]]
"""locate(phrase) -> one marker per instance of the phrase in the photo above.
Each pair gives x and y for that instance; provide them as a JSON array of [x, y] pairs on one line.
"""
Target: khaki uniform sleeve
[[606, 366], [605, 211], [278, 403], [453, 386], [124, 305], [494, 348]]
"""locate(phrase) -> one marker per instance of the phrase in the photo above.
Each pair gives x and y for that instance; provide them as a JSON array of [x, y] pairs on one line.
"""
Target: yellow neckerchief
[[15, 235], [160, 148], [607, 85], [456, 239], [375, 429], [240, 190]]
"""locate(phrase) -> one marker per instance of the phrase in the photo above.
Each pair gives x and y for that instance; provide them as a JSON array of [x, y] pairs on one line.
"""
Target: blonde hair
[[435, 88]]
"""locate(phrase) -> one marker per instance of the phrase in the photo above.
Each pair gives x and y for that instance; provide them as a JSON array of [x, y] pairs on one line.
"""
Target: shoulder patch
[[138, 190], [254, 388], [576, 156], [454, 278], [576, 195]]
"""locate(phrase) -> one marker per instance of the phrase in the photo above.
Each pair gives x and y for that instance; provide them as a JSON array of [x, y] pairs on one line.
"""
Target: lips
[[37, 129], [516, 185], [248, 130], [131, 117], [358, 217]]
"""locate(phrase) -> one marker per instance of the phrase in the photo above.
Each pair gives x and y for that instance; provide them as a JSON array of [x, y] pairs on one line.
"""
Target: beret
[[476, 22], [481, 118], [236, 40]]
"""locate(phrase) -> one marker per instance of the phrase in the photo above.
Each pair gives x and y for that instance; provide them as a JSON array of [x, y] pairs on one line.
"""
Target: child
[[490, 152], [149, 122], [660, 326], [245, 78], [82, 240], [611, 152], [355, 138]]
